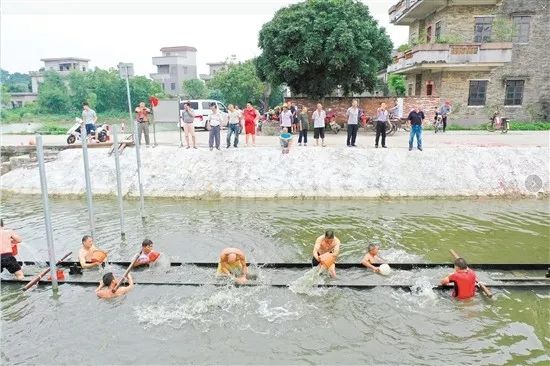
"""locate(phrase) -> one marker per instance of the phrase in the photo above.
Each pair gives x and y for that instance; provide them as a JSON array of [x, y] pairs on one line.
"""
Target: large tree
[[194, 89], [319, 45]]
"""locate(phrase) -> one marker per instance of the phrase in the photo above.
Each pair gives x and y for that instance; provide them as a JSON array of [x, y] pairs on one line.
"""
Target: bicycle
[[498, 123]]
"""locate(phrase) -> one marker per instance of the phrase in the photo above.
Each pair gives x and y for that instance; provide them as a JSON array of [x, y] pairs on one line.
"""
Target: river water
[[297, 325]]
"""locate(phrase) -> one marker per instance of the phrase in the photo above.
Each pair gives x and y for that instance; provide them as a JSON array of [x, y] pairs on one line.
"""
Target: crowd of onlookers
[[292, 120]]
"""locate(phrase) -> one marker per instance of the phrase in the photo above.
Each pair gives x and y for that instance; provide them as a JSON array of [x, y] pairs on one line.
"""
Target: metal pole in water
[[84, 139], [138, 158], [46, 205], [118, 181]]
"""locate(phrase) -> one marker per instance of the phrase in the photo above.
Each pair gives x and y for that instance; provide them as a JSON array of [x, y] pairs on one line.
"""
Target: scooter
[[75, 134], [496, 122], [331, 120]]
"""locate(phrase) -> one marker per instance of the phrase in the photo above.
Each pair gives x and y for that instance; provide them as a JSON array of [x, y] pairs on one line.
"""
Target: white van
[[202, 110]]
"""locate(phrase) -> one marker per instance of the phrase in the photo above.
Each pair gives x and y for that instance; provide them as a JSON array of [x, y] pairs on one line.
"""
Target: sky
[[111, 31]]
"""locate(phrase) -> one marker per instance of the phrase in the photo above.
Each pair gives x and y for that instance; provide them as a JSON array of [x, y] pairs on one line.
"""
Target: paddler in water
[[88, 255], [233, 264], [10, 241], [325, 252], [108, 283], [464, 280], [372, 258], [148, 255]]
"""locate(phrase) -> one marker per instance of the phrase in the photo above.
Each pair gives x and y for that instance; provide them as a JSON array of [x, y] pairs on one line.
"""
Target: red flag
[[154, 101]]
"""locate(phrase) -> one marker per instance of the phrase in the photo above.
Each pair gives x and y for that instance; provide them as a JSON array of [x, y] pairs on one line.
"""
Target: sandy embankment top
[[264, 172]]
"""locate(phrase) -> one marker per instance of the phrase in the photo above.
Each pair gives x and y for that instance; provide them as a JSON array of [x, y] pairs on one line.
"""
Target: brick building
[[479, 54]]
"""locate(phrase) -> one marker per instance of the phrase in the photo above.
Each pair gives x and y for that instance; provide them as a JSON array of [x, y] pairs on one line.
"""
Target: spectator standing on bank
[[353, 123], [251, 118], [444, 111], [214, 124], [233, 125], [187, 118], [303, 125], [286, 119], [319, 125], [142, 113], [416, 129], [90, 118], [382, 115], [294, 111]]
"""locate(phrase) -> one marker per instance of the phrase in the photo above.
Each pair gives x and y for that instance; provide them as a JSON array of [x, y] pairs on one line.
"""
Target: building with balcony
[[174, 66], [479, 54]]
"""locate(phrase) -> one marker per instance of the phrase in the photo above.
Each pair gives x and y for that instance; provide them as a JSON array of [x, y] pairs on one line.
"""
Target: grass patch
[[52, 129], [529, 126]]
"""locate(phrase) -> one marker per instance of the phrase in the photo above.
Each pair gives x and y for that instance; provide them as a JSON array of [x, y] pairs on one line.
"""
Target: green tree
[[239, 84], [16, 82], [318, 45], [194, 89], [6, 97], [53, 95], [396, 84]]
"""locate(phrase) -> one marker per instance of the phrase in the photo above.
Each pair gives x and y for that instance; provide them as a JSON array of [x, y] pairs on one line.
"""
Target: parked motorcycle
[[75, 133], [496, 122], [331, 120]]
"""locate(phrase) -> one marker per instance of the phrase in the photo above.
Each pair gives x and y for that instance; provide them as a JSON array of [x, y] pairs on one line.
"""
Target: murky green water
[[205, 325]]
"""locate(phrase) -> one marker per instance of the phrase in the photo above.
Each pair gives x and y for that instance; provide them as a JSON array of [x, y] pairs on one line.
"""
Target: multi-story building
[[174, 66], [479, 54], [214, 67], [62, 65]]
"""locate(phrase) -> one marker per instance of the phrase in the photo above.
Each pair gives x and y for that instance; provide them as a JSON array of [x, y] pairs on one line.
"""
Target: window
[[418, 85], [206, 105], [429, 34], [523, 26], [514, 92], [429, 88], [172, 86], [437, 34], [478, 92], [163, 69], [483, 28]]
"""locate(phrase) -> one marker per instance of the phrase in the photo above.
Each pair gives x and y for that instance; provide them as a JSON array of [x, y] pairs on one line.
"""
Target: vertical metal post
[[84, 139], [128, 94], [179, 128], [138, 158], [46, 205], [154, 129], [118, 181]]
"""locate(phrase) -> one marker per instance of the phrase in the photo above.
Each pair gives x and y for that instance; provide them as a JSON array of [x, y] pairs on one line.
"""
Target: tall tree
[[319, 45], [53, 95], [396, 84], [194, 89]]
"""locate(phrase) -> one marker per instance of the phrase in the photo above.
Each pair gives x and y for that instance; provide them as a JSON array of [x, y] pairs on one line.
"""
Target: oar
[[483, 288], [132, 263], [43, 273]]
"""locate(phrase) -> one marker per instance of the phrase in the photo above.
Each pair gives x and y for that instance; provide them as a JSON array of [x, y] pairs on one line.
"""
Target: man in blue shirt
[[416, 128]]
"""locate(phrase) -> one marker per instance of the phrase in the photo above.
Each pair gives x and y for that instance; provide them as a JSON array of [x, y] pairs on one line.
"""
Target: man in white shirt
[[286, 119], [353, 123], [319, 125]]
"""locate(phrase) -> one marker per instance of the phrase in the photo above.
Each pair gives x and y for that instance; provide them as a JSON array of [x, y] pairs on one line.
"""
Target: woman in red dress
[[251, 117]]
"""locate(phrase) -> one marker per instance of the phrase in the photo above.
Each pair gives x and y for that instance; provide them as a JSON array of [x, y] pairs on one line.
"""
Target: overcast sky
[[110, 31]]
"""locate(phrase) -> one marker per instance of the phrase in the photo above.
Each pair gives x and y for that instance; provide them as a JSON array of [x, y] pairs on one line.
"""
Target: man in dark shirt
[[416, 128]]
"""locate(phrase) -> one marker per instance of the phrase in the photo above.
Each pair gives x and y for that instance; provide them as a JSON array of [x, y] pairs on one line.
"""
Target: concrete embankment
[[264, 172]]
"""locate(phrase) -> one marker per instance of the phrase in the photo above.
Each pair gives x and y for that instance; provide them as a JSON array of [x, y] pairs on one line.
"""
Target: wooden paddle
[[43, 273], [127, 271], [483, 288]]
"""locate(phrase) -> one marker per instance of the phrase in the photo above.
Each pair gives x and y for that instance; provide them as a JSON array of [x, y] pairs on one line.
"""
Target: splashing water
[[305, 284]]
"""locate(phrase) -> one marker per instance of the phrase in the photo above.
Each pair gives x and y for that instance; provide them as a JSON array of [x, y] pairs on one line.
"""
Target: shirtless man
[[108, 284], [9, 239], [372, 257], [85, 253], [233, 264], [327, 243]]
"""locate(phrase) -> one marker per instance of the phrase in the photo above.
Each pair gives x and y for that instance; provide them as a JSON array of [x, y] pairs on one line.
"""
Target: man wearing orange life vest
[[148, 255], [325, 252], [89, 255], [108, 284], [464, 280], [8, 249]]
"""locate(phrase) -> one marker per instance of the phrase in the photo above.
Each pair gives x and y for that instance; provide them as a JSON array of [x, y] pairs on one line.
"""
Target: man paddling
[[86, 253], [464, 280], [372, 257], [108, 284], [8, 249], [233, 264], [325, 252], [147, 255]]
